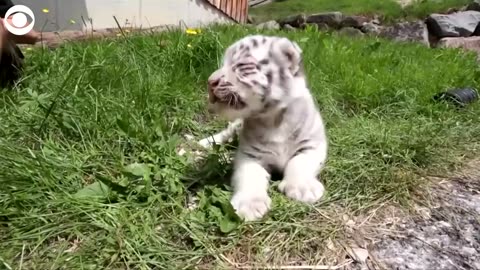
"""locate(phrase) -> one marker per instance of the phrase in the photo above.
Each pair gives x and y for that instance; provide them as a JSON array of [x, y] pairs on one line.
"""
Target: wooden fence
[[235, 9]]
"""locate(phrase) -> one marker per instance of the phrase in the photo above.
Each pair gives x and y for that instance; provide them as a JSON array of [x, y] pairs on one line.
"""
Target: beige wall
[[148, 13], [144, 13]]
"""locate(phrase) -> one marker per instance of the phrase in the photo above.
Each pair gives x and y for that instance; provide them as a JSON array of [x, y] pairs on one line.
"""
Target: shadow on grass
[[214, 169]]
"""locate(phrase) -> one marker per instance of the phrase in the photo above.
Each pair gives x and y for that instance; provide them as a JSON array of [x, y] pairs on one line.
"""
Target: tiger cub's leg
[[223, 136], [300, 180]]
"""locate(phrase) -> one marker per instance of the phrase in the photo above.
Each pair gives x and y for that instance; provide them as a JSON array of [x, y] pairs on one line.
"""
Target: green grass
[[388, 9], [422, 9], [90, 178]]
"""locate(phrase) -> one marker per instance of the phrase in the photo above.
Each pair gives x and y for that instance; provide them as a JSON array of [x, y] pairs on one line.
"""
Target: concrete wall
[[68, 14]]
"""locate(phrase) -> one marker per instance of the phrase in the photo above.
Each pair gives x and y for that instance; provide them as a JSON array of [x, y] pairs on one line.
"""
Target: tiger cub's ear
[[291, 55]]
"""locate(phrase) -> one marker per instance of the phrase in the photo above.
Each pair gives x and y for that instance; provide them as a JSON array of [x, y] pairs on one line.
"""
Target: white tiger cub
[[262, 88]]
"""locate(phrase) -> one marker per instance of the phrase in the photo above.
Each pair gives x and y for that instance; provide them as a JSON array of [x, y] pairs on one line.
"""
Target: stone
[[414, 31], [354, 21], [358, 254], [466, 43], [351, 32], [460, 24], [296, 21], [51, 43], [476, 32], [468, 251], [268, 25], [371, 28], [48, 35], [72, 35], [322, 26], [288, 27], [94, 35], [452, 10], [474, 5], [332, 19]]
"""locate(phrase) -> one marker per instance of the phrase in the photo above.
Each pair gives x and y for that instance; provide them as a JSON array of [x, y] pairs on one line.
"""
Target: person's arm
[[30, 38], [4, 6]]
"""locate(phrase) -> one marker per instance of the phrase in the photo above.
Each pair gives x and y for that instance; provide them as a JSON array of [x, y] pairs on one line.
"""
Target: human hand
[[5, 36]]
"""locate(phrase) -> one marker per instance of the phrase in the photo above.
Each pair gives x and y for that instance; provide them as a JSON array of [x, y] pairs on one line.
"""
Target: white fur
[[297, 144], [300, 180], [223, 136], [250, 182]]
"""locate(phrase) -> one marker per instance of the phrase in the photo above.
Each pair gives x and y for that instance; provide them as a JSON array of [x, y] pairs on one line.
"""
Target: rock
[[181, 152], [468, 252], [332, 19], [288, 27], [476, 32], [163, 28], [353, 21], [94, 35], [350, 31], [322, 26], [432, 40], [474, 5], [56, 39], [73, 35], [466, 43], [452, 10], [406, 31], [45, 36], [268, 25], [358, 254], [296, 21], [460, 24], [371, 28]]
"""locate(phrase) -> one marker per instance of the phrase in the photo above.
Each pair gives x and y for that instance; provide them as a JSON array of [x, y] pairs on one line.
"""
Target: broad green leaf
[[138, 169], [303, 40], [227, 225], [126, 127], [94, 190]]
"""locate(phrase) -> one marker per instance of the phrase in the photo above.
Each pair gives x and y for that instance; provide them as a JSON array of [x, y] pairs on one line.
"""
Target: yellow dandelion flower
[[191, 31], [189, 45], [73, 21], [45, 10]]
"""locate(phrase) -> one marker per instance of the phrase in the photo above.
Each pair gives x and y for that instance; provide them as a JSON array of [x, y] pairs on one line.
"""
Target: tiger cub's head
[[257, 71]]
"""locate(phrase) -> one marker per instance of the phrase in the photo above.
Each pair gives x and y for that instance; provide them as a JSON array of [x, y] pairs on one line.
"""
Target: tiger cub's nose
[[212, 84]]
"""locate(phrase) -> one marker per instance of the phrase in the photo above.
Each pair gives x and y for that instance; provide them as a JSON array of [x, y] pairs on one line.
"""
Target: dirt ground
[[444, 235]]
